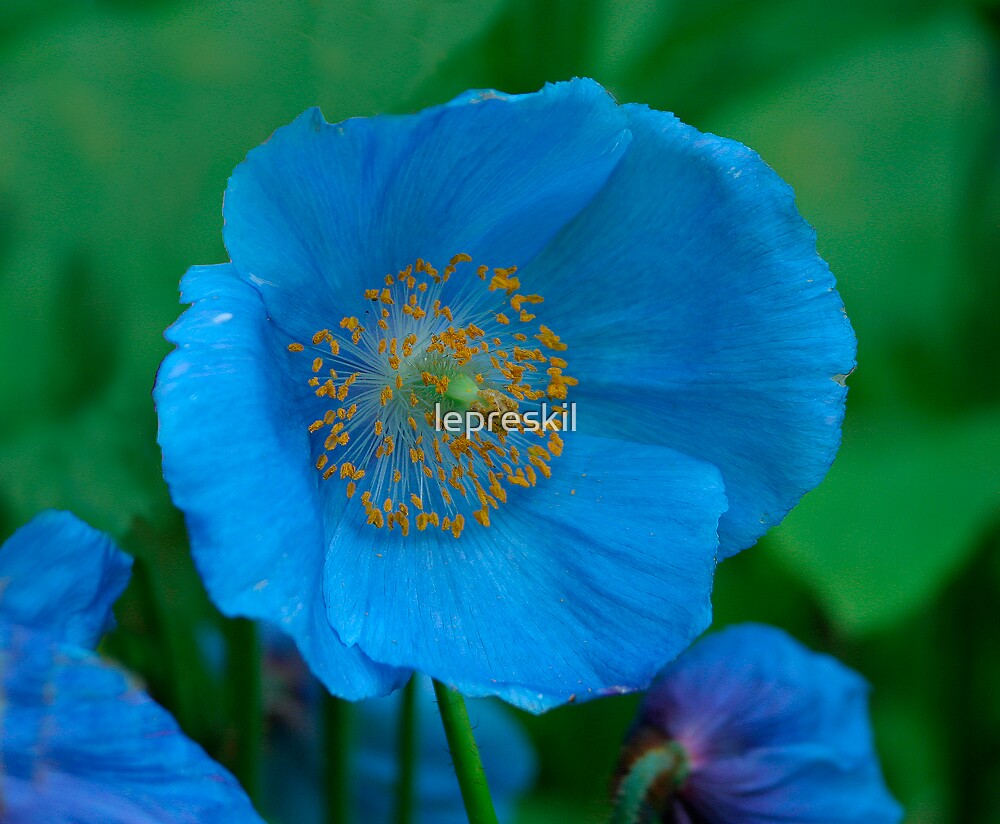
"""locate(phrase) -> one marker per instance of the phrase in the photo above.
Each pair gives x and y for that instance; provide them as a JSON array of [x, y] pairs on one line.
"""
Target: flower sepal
[[651, 768]]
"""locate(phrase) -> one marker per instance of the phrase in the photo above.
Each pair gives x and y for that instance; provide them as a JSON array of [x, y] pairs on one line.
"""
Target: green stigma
[[463, 390]]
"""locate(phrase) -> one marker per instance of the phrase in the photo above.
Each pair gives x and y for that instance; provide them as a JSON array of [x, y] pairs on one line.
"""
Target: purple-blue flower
[[79, 742], [493, 255], [750, 727]]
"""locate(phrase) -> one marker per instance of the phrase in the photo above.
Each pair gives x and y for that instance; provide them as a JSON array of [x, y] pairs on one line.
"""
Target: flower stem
[[406, 748], [336, 766], [465, 755], [246, 703]]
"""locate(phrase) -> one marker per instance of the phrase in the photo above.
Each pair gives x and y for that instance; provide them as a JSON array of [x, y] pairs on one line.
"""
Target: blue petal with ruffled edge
[[78, 742], [694, 286], [611, 557], [324, 210], [62, 575], [81, 744], [237, 460], [773, 732]]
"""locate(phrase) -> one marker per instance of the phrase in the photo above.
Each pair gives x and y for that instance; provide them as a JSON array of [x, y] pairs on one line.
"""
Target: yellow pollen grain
[[295, 347], [371, 294], [555, 444], [551, 339], [503, 279]]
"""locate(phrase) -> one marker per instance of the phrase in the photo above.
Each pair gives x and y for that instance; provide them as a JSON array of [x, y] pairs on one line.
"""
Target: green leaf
[[898, 516], [881, 145]]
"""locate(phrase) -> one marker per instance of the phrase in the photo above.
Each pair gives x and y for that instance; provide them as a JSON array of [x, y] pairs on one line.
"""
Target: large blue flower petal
[[60, 574], [236, 457], [80, 744], [321, 212], [773, 731], [707, 320], [588, 581]]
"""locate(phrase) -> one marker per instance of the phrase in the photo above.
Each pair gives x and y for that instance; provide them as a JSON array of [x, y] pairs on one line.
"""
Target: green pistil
[[649, 784], [463, 390]]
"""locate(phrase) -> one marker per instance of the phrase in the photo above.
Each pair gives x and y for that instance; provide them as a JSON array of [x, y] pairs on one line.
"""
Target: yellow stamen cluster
[[381, 435]]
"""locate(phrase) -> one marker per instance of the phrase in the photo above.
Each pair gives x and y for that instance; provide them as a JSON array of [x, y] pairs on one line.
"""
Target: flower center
[[439, 402]]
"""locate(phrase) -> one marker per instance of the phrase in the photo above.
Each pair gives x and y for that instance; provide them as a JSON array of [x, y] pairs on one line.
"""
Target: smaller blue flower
[[78, 741], [750, 726]]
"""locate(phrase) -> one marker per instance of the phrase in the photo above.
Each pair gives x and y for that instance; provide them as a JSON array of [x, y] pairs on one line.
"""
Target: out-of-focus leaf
[[100, 461], [899, 514], [880, 144], [714, 51], [120, 126], [548, 808]]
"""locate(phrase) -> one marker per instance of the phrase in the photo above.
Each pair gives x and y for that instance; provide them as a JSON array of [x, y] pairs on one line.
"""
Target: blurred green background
[[121, 121]]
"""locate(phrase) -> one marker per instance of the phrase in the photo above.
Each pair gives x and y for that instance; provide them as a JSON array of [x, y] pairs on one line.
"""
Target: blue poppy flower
[[293, 769], [753, 727], [493, 255], [78, 741]]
